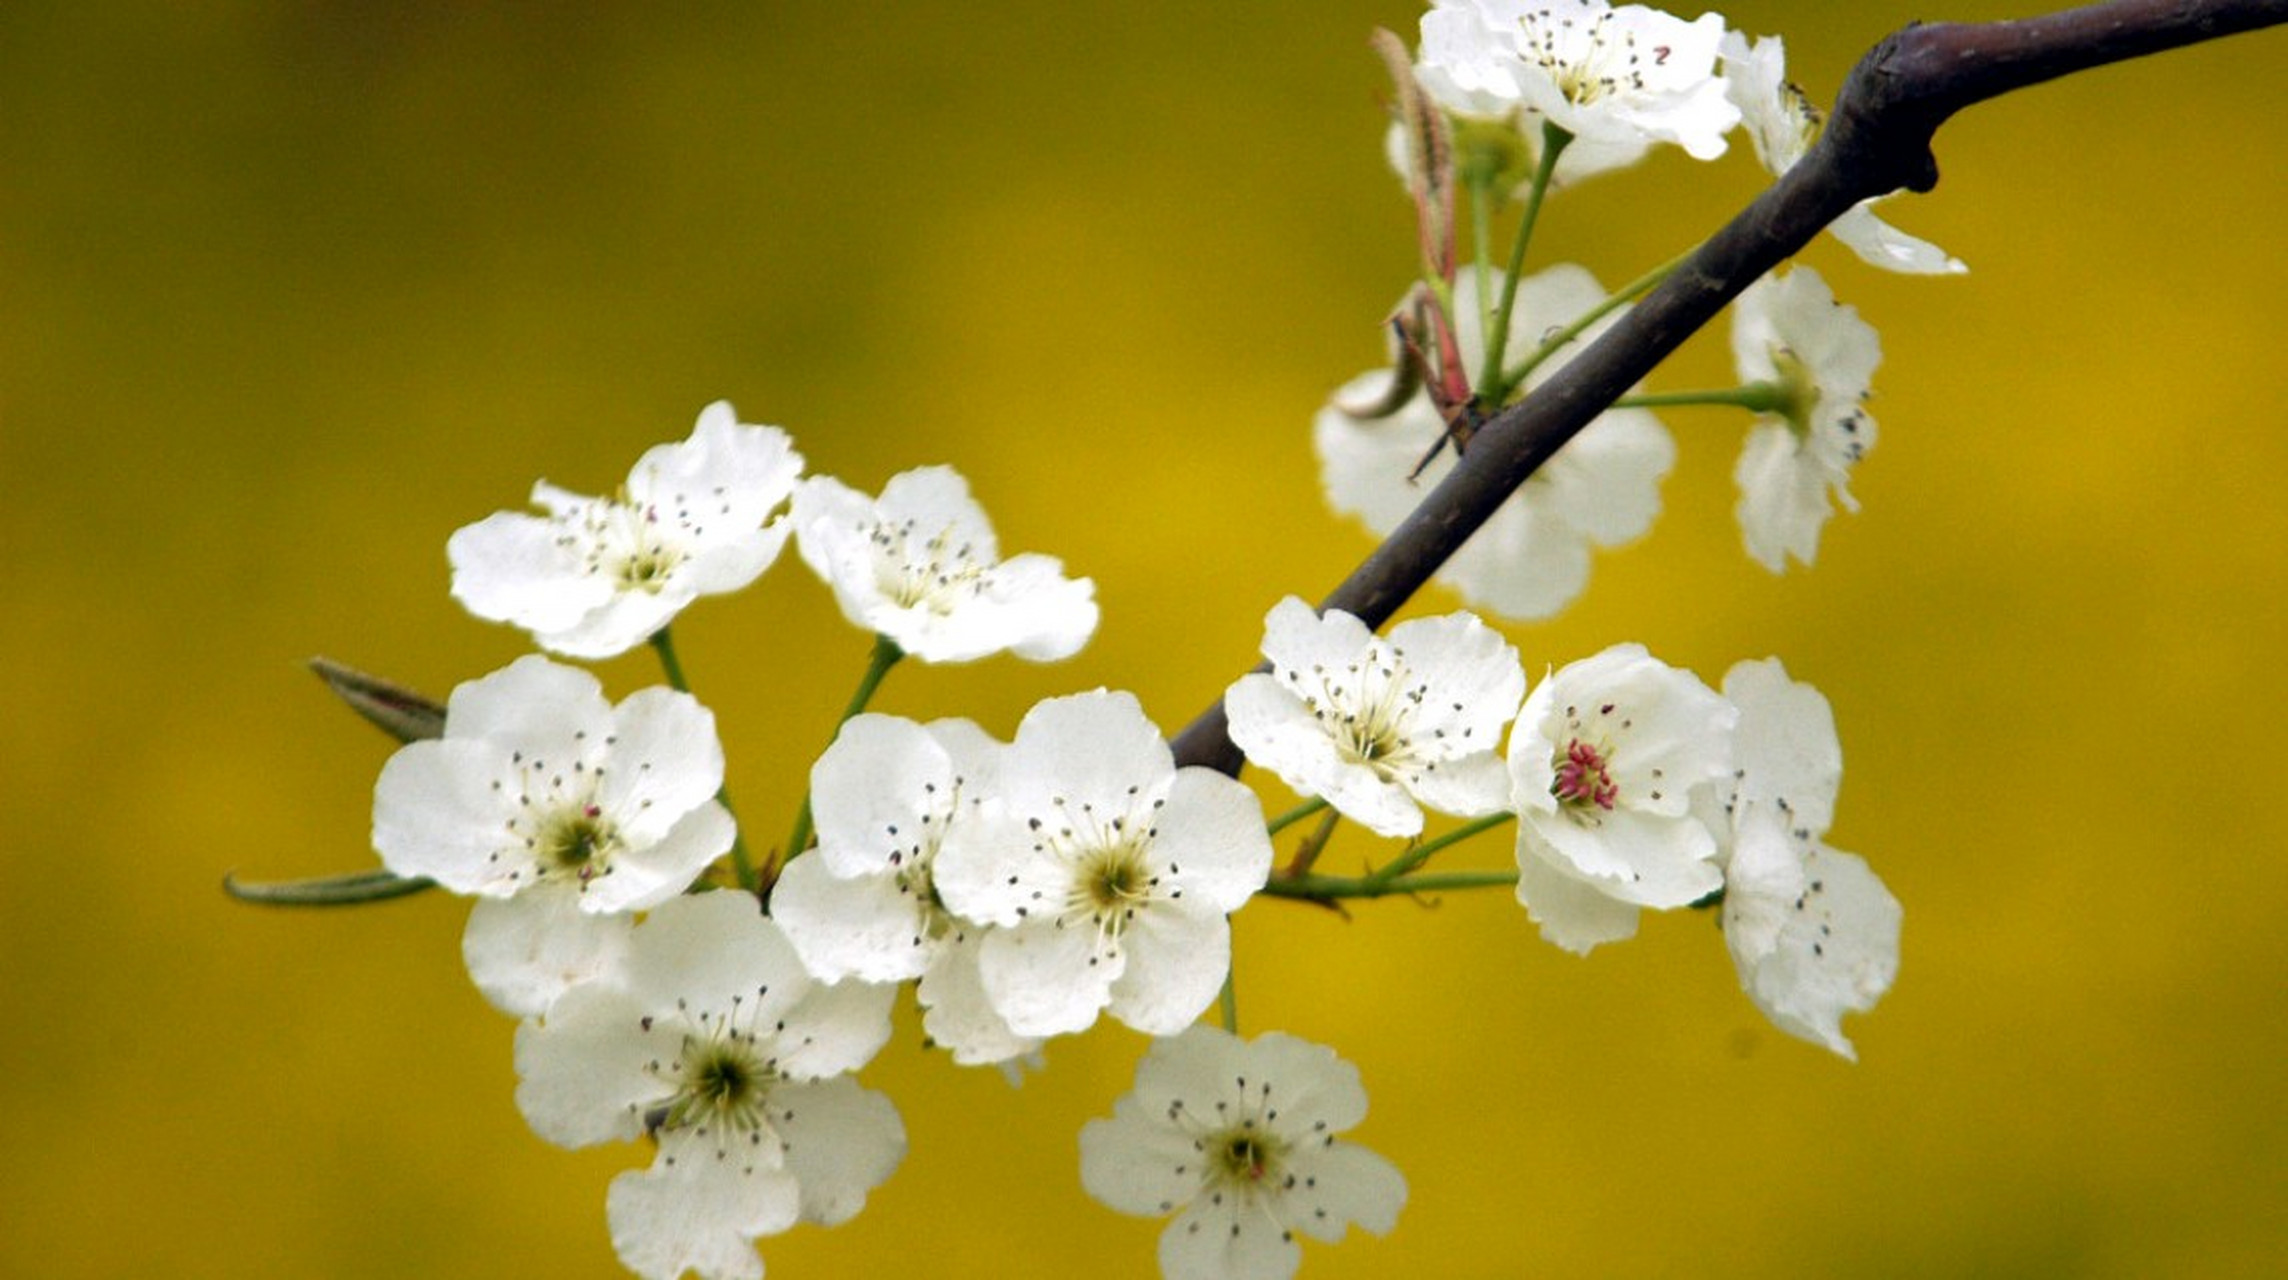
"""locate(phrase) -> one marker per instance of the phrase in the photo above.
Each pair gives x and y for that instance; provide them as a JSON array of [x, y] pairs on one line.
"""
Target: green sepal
[[394, 709], [354, 889]]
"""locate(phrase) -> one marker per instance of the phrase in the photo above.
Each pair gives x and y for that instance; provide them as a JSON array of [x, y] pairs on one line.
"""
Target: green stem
[[1308, 852], [1627, 293], [885, 656], [742, 865], [1493, 388], [1293, 816], [1421, 853], [1228, 1002], [1327, 888], [1481, 183], [1757, 397]]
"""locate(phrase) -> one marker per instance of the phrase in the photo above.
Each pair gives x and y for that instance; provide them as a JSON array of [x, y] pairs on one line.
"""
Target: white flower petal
[[1572, 913], [1210, 842], [1343, 1183], [692, 1212], [509, 566], [1763, 880], [1135, 1164], [644, 876], [524, 952], [1088, 751], [881, 794], [1837, 953], [534, 706], [956, 1013], [868, 927], [834, 1029], [666, 761], [842, 1141], [1177, 959], [439, 811], [581, 1077], [1221, 1241], [1785, 745], [1880, 244], [1044, 980], [712, 951]]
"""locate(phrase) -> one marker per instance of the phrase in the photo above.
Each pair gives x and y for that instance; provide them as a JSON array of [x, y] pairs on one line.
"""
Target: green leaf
[[398, 711], [354, 889]]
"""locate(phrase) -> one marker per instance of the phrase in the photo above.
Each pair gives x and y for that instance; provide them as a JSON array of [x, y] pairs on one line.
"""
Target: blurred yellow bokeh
[[289, 291]]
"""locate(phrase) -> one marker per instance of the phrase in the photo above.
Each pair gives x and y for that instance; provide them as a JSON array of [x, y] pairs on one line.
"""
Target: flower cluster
[[1633, 785], [1530, 94], [672, 987]]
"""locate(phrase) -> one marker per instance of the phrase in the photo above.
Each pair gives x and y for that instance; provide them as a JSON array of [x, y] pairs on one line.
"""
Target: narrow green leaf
[[398, 711], [354, 889]]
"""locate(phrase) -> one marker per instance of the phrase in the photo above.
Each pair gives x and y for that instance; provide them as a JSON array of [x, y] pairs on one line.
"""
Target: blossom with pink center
[[1603, 764]]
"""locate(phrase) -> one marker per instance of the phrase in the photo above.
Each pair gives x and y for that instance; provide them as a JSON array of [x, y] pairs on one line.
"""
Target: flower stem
[[1625, 294], [886, 655], [1406, 862], [1756, 397], [1293, 816], [1481, 183], [742, 865], [1308, 852], [1228, 1002], [1327, 888], [1493, 388]]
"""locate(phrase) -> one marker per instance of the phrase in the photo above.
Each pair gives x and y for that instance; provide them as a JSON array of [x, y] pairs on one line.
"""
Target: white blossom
[[1377, 727], [1106, 871], [1618, 80], [864, 903], [1531, 558], [597, 576], [1812, 931], [537, 780], [553, 805], [1782, 125], [1238, 1140], [920, 565], [1788, 331], [712, 1040], [1604, 760]]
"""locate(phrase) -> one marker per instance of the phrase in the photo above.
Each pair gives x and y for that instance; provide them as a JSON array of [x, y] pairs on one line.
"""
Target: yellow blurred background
[[288, 292]]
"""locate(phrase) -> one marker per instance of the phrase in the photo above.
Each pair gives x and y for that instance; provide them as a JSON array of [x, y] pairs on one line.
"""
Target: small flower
[[1380, 728], [864, 903], [1790, 333], [1532, 557], [1813, 932], [1603, 763], [1238, 1140], [597, 576], [1619, 80], [920, 565], [1782, 124], [553, 804], [710, 1039], [1106, 871]]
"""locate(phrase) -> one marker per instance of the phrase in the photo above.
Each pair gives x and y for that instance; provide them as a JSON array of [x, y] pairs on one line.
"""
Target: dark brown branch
[[1877, 141]]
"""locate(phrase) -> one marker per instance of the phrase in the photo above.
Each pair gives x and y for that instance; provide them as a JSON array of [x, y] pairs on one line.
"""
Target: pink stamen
[[1584, 778]]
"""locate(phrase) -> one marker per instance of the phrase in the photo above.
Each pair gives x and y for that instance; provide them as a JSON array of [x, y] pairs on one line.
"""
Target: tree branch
[[1877, 140]]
